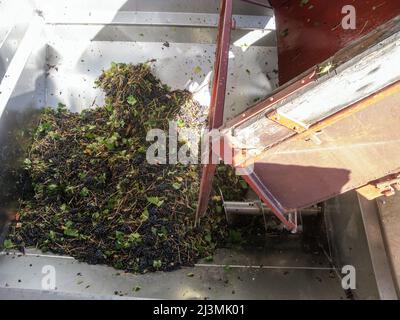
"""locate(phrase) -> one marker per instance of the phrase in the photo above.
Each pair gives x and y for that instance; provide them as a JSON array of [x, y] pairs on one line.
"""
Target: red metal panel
[[309, 31]]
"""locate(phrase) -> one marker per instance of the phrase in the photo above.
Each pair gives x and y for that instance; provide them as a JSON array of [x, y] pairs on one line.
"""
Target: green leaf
[[61, 108], [27, 163], [243, 184], [180, 123], [157, 264], [163, 232], [176, 186], [109, 107], [145, 215], [132, 100], [44, 127], [52, 187], [136, 289], [84, 192], [190, 274], [52, 235], [119, 235], [71, 232], [8, 244], [156, 201], [95, 215], [197, 70], [227, 268], [82, 175], [285, 33], [208, 237], [134, 237]]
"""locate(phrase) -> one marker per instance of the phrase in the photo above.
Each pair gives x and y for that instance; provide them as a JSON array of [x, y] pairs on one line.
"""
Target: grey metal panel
[[389, 211], [186, 19], [348, 242], [65, 7], [279, 270], [9, 45], [377, 249]]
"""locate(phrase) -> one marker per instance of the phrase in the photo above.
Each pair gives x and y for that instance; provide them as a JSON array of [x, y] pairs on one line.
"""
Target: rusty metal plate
[[344, 155]]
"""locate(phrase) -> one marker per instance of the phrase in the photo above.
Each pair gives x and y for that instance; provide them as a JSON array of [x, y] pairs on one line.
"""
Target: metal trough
[[52, 51]]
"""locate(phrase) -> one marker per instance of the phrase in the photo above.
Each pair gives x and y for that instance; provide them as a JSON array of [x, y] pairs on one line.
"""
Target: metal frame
[[19, 59], [216, 111], [267, 108]]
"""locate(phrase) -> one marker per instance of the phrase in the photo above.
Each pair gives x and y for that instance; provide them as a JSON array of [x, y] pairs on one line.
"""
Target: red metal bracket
[[269, 199]]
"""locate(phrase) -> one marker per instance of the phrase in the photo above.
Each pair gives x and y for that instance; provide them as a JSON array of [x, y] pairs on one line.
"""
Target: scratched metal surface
[[280, 270]]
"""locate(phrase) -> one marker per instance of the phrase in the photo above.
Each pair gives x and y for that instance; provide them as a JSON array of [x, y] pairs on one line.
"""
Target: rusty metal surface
[[359, 148], [299, 21], [312, 132]]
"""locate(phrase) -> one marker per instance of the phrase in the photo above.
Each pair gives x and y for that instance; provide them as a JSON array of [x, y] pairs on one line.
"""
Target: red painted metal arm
[[216, 114], [216, 111]]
